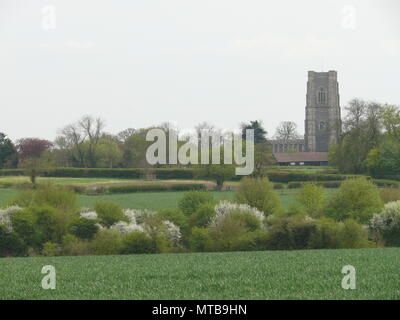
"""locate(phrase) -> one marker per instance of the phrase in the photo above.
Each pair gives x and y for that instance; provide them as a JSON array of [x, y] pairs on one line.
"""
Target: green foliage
[[259, 193], [290, 233], [72, 246], [175, 216], [138, 242], [202, 216], [216, 172], [51, 249], [107, 242], [389, 194], [57, 196], [84, 228], [24, 227], [311, 200], [357, 199], [226, 234], [334, 235], [386, 224], [109, 213], [384, 161], [192, 200], [200, 240], [154, 188], [11, 244], [8, 152]]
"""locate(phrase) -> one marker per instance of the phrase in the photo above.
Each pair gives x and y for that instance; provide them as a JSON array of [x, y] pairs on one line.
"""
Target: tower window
[[322, 125], [321, 95]]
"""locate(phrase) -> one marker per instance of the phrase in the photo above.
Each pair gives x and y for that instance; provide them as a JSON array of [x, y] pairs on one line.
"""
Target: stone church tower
[[323, 120]]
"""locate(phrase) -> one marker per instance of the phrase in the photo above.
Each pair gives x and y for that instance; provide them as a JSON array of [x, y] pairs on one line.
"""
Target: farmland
[[311, 274], [147, 200]]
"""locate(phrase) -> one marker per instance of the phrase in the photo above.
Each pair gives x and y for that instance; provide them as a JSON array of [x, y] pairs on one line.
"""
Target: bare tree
[[82, 137], [287, 131]]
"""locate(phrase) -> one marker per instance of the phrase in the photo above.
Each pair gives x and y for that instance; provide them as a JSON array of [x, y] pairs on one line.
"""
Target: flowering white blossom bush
[[5, 217], [173, 232], [86, 213], [387, 219], [124, 228], [225, 208]]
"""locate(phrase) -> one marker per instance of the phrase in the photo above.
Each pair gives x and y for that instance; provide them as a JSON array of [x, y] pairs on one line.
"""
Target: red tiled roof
[[301, 157]]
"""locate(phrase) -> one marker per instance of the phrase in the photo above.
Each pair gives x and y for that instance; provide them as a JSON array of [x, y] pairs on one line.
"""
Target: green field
[[147, 200], [312, 274]]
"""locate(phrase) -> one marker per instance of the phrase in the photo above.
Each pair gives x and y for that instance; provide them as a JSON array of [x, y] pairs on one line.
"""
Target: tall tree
[[259, 132], [32, 147], [287, 131], [8, 153], [82, 139]]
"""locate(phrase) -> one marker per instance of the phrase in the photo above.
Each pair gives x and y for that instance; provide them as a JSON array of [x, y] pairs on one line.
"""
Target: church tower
[[323, 120]]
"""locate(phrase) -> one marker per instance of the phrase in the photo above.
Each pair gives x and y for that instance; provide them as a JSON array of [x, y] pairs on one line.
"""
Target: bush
[[335, 235], [290, 233], [59, 197], [192, 200], [390, 195], [177, 217], [226, 234], [84, 228], [10, 244], [357, 199], [154, 188], [386, 224], [353, 235], [279, 186], [295, 185], [200, 240], [107, 242], [326, 235], [51, 249], [202, 216], [138, 242], [46, 223], [109, 213], [286, 177], [72, 246], [259, 193], [23, 223], [311, 200]]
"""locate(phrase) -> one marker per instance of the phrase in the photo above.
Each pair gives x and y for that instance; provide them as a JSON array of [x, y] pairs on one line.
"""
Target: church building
[[322, 123]]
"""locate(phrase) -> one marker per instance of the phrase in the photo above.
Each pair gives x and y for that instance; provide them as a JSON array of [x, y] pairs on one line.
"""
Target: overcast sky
[[138, 63]]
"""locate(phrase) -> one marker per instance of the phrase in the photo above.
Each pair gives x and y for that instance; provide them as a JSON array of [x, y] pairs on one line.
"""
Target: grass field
[[148, 200], [313, 274]]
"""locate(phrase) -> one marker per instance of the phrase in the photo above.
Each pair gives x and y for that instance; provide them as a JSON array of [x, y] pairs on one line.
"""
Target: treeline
[[370, 141], [86, 144]]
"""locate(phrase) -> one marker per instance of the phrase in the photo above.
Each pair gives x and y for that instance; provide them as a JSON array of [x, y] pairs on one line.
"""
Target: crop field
[[148, 200], [312, 274]]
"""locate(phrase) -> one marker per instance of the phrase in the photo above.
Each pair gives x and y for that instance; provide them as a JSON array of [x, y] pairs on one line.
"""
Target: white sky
[[138, 63]]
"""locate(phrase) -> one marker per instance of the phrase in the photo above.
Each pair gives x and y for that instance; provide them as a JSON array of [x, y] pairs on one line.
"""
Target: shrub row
[[325, 184], [286, 177], [139, 188]]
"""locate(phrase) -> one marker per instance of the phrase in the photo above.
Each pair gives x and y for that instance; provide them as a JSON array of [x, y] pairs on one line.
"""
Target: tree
[[259, 193], [362, 133], [8, 153], [31, 152], [356, 199], [32, 147], [82, 139], [259, 132], [109, 153], [287, 131], [311, 200]]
